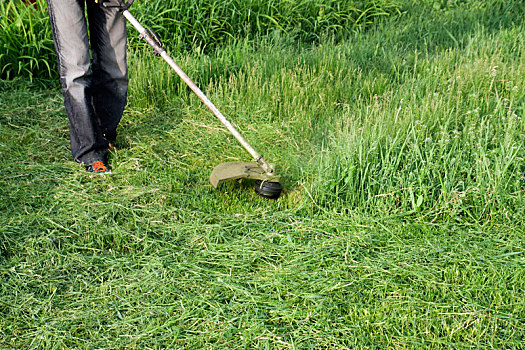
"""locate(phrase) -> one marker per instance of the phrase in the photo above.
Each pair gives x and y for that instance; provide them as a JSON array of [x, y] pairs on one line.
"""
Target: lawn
[[401, 146]]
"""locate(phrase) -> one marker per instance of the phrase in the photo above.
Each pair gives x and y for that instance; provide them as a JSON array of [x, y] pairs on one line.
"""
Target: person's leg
[[107, 30], [70, 36]]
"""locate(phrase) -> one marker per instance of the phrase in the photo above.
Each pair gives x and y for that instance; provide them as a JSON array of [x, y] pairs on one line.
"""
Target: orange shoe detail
[[99, 167]]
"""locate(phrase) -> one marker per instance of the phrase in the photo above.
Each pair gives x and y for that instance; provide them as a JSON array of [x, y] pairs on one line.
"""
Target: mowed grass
[[401, 225]]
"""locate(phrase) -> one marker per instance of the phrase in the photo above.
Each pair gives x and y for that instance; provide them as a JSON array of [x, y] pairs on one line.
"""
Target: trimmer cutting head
[[267, 186]]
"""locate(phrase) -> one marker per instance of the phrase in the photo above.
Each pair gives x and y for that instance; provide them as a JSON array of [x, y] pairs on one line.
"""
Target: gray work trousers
[[94, 80]]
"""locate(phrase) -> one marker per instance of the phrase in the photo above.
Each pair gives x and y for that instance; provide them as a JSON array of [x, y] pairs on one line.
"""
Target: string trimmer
[[267, 181]]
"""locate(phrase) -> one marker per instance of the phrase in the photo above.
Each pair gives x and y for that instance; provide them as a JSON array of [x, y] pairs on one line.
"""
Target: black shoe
[[98, 167]]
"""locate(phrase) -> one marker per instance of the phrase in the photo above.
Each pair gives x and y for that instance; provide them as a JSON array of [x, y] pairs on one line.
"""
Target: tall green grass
[[25, 35], [451, 149], [208, 23], [438, 126], [26, 47], [424, 121]]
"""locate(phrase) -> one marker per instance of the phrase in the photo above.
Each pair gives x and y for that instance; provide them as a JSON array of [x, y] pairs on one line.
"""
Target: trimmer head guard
[[239, 170]]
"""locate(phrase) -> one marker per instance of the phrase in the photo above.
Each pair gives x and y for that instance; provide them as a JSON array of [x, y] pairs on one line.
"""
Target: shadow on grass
[[429, 32]]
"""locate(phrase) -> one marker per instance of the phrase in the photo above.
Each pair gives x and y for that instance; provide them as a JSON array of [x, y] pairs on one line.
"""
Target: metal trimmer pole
[[267, 167]]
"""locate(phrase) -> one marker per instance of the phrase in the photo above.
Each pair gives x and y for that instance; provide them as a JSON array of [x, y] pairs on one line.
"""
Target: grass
[[402, 153], [206, 23], [27, 47], [188, 25]]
